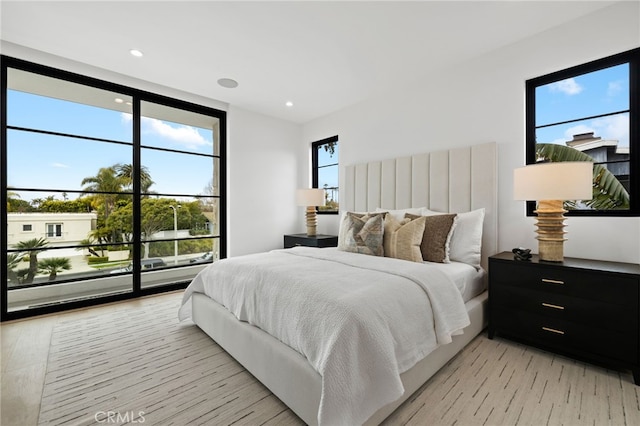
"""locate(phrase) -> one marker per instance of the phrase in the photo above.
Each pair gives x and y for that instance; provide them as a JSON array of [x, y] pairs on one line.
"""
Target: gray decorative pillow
[[364, 233], [402, 239], [437, 235]]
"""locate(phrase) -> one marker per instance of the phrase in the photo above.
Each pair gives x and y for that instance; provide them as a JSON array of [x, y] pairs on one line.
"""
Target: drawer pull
[[549, 305], [548, 281], [552, 330]]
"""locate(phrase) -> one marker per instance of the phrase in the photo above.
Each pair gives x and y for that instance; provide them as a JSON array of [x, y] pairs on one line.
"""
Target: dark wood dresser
[[586, 309]]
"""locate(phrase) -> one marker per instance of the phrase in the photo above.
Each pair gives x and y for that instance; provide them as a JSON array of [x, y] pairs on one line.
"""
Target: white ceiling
[[322, 56]]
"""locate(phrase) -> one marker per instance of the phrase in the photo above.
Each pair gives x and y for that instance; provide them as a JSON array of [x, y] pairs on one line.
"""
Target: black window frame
[[138, 95], [315, 146], [631, 57]]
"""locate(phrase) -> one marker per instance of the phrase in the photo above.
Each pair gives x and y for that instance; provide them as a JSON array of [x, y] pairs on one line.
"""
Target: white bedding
[[469, 280], [359, 320]]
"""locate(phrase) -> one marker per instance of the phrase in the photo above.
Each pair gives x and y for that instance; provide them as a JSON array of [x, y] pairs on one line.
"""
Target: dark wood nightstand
[[319, 240], [586, 309]]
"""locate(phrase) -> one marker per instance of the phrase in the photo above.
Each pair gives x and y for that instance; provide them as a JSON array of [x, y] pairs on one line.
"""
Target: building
[[605, 152], [60, 229]]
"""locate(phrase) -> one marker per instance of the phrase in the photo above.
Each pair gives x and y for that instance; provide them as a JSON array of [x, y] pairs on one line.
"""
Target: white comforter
[[359, 320]]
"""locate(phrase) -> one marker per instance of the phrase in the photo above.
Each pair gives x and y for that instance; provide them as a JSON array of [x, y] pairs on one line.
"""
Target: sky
[[56, 162], [328, 175], [592, 94]]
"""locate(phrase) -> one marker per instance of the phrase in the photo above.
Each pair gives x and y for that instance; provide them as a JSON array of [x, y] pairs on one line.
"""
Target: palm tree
[[86, 244], [125, 171], [13, 259], [108, 183], [32, 248], [54, 265], [608, 192]]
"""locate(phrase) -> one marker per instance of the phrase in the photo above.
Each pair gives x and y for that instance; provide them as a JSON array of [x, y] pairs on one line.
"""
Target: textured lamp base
[[550, 230], [311, 221]]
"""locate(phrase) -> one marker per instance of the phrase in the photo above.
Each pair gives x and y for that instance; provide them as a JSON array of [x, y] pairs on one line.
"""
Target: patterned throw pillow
[[364, 233], [437, 236], [402, 239]]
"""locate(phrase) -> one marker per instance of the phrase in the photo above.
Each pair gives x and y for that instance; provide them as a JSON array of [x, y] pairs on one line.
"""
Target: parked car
[[205, 258], [144, 264]]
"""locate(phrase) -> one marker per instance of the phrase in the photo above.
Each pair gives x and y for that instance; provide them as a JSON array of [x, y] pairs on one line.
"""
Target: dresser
[[586, 309], [319, 240]]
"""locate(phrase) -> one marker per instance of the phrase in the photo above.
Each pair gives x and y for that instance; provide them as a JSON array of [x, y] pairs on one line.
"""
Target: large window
[[324, 160], [591, 113], [110, 192]]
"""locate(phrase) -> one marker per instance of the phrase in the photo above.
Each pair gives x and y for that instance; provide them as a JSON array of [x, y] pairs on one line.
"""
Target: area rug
[[141, 366]]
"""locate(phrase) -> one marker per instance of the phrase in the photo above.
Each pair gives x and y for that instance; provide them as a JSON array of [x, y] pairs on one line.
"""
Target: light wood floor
[[24, 353]]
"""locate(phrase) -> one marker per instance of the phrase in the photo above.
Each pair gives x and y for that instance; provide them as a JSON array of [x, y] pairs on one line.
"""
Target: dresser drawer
[[588, 312], [586, 284], [565, 335]]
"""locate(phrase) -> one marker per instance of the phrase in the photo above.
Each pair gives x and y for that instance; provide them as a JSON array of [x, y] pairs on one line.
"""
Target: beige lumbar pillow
[[402, 239]]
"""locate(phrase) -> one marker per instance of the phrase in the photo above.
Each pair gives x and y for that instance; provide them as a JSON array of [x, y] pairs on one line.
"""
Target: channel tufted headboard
[[455, 181]]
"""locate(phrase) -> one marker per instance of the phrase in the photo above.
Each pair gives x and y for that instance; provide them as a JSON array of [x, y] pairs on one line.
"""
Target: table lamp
[[551, 184], [310, 198]]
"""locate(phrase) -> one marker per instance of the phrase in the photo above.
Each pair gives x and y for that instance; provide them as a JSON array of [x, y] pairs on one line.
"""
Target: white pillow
[[466, 241], [398, 214]]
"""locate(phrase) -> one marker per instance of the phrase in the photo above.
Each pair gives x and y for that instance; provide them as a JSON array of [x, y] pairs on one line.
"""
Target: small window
[[324, 159], [27, 228], [54, 230], [591, 113]]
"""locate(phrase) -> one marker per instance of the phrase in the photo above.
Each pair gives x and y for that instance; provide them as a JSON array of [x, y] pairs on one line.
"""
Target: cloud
[[568, 87], [615, 127], [59, 165], [187, 136], [183, 135]]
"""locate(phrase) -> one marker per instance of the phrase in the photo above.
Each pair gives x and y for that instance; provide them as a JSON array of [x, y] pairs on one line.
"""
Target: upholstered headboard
[[455, 181]]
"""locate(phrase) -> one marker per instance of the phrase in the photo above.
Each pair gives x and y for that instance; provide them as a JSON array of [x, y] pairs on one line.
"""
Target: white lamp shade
[[310, 197], [565, 180]]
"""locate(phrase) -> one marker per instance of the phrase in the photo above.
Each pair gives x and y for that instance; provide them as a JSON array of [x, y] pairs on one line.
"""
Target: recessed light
[[136, 53], [229, 83], [118, 100], [289, 104]]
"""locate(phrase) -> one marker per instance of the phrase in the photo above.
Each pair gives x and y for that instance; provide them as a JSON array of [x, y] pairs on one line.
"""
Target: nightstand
[[319, 240], [586, 309]]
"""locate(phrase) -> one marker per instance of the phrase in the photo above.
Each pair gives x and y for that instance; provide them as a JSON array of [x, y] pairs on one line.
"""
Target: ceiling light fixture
[[137, 53], [229, 83], [289, 104], [118, 100]]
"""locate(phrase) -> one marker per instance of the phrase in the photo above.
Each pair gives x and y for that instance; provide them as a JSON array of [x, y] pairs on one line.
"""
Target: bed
[[461, 180]]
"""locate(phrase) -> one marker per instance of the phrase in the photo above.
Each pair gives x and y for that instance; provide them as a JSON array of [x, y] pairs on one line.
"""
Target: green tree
[[67, 206], [108, 183], [125, 171], [121, 220], [101, 235], [13, 260], [32, 248], [608, 192], [53, 265]]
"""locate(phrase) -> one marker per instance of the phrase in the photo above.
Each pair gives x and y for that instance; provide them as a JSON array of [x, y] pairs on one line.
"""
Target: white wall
[[262, 179], [483, 100]]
